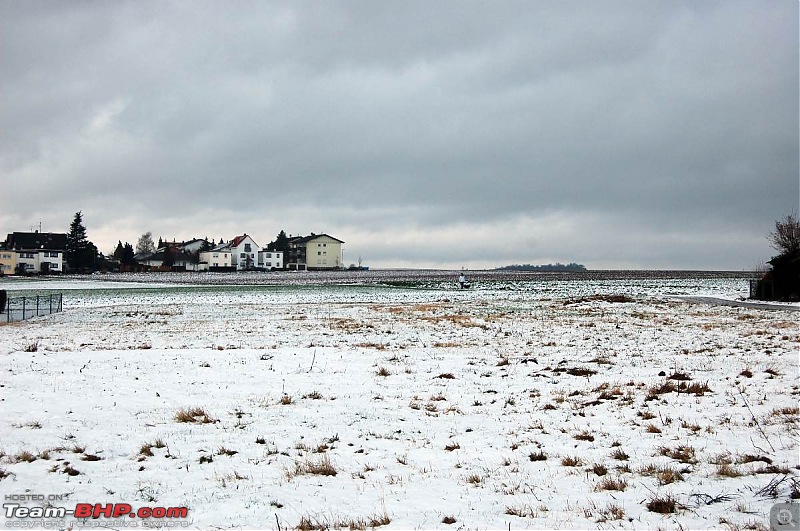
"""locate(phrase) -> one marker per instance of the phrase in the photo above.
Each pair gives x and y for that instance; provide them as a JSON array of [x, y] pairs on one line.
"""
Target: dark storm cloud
[[620, 134]]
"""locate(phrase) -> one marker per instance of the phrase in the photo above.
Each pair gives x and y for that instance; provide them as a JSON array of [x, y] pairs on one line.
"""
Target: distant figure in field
[[462, 281]]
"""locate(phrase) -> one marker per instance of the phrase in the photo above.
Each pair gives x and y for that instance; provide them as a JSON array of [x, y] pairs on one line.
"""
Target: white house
[[270, 259], [219, 256], [37, 252], [243, 252]]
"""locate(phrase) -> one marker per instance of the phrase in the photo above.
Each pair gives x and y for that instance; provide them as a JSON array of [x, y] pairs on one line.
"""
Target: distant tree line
[[548, 268]]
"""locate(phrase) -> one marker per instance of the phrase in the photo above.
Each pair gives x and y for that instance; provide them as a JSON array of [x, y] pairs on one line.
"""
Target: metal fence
[[21, 308]]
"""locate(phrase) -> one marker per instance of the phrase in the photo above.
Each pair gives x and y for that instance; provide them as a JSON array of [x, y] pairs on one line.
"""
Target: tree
[[127, 254], [80, 252], [118, 251], [281, 243], [145, 244], [169, 256], [786, 236]]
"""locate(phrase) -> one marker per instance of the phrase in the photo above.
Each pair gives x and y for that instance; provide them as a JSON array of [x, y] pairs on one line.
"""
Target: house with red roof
[[243, 252]]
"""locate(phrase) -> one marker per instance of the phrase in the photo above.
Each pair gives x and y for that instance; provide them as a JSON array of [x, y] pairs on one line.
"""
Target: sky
[[475, 134]]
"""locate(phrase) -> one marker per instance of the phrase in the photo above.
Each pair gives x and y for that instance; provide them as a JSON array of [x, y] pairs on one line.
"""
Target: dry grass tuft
[[662, 504], [584, 436], [538, 456], [571, 461], [728, 470], [473, 479], [194, 415], [452, 446], [608, 483], [318, 467], [286, 400], [611, 512], [682, 454], [383, 371], [619, 454], [663, 474], [449, 520]]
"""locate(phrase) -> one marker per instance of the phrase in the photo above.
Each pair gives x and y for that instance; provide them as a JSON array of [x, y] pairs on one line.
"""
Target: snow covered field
[[522, 403]]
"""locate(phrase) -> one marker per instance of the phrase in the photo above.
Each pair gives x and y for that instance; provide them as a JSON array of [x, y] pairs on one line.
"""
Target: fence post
[[37, 306]]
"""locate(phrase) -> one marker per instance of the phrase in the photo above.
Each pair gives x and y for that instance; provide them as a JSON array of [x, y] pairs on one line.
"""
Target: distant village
[[42, 253]]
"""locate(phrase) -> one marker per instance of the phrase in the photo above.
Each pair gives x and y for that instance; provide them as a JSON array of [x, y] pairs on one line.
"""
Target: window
[[247, 247], [242, 255]]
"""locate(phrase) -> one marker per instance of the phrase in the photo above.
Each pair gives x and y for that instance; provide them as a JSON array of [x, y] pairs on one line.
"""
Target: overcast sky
[[424, 134]]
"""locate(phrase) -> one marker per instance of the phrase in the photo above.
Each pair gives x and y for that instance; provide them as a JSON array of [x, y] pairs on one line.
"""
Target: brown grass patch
[[608, 483], [662, 504], [195, 415], [571, 461]]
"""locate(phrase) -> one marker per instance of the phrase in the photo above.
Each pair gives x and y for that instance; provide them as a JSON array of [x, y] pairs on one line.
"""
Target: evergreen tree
[[169, 256], [118, 251], [160, 243], [80, 252], [281, 243], [127, 254]]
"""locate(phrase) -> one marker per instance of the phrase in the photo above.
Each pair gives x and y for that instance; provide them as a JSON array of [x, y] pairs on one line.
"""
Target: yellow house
[[8, 262], [318, 251]]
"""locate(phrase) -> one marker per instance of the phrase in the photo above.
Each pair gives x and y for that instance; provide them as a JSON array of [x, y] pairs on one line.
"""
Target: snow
[[291, 373]]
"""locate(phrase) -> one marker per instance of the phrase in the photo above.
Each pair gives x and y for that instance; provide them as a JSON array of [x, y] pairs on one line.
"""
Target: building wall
[[269, 259], [216, 259], [241, 261], [54, 258], [8, 262], [323, 252], [29, 260]]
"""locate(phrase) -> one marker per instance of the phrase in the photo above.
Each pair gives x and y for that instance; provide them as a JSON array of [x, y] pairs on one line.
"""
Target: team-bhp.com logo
[[18, 515]]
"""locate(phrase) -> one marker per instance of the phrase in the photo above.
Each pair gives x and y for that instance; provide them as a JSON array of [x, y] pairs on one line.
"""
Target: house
[[35, 252], [243, 252], [218, 258], [315, 252], [8, 261], [268, 259], [174, 256]]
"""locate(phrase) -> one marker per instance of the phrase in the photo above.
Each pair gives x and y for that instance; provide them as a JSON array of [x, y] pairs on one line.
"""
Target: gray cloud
[[619, 134]]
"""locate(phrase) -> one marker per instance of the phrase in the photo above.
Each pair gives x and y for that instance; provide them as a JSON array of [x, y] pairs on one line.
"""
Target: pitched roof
[[306, 239], [239, 239], [36, 240]]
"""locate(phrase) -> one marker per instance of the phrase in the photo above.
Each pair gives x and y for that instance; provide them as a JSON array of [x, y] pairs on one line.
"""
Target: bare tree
[[145, 244], [786, 236]]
